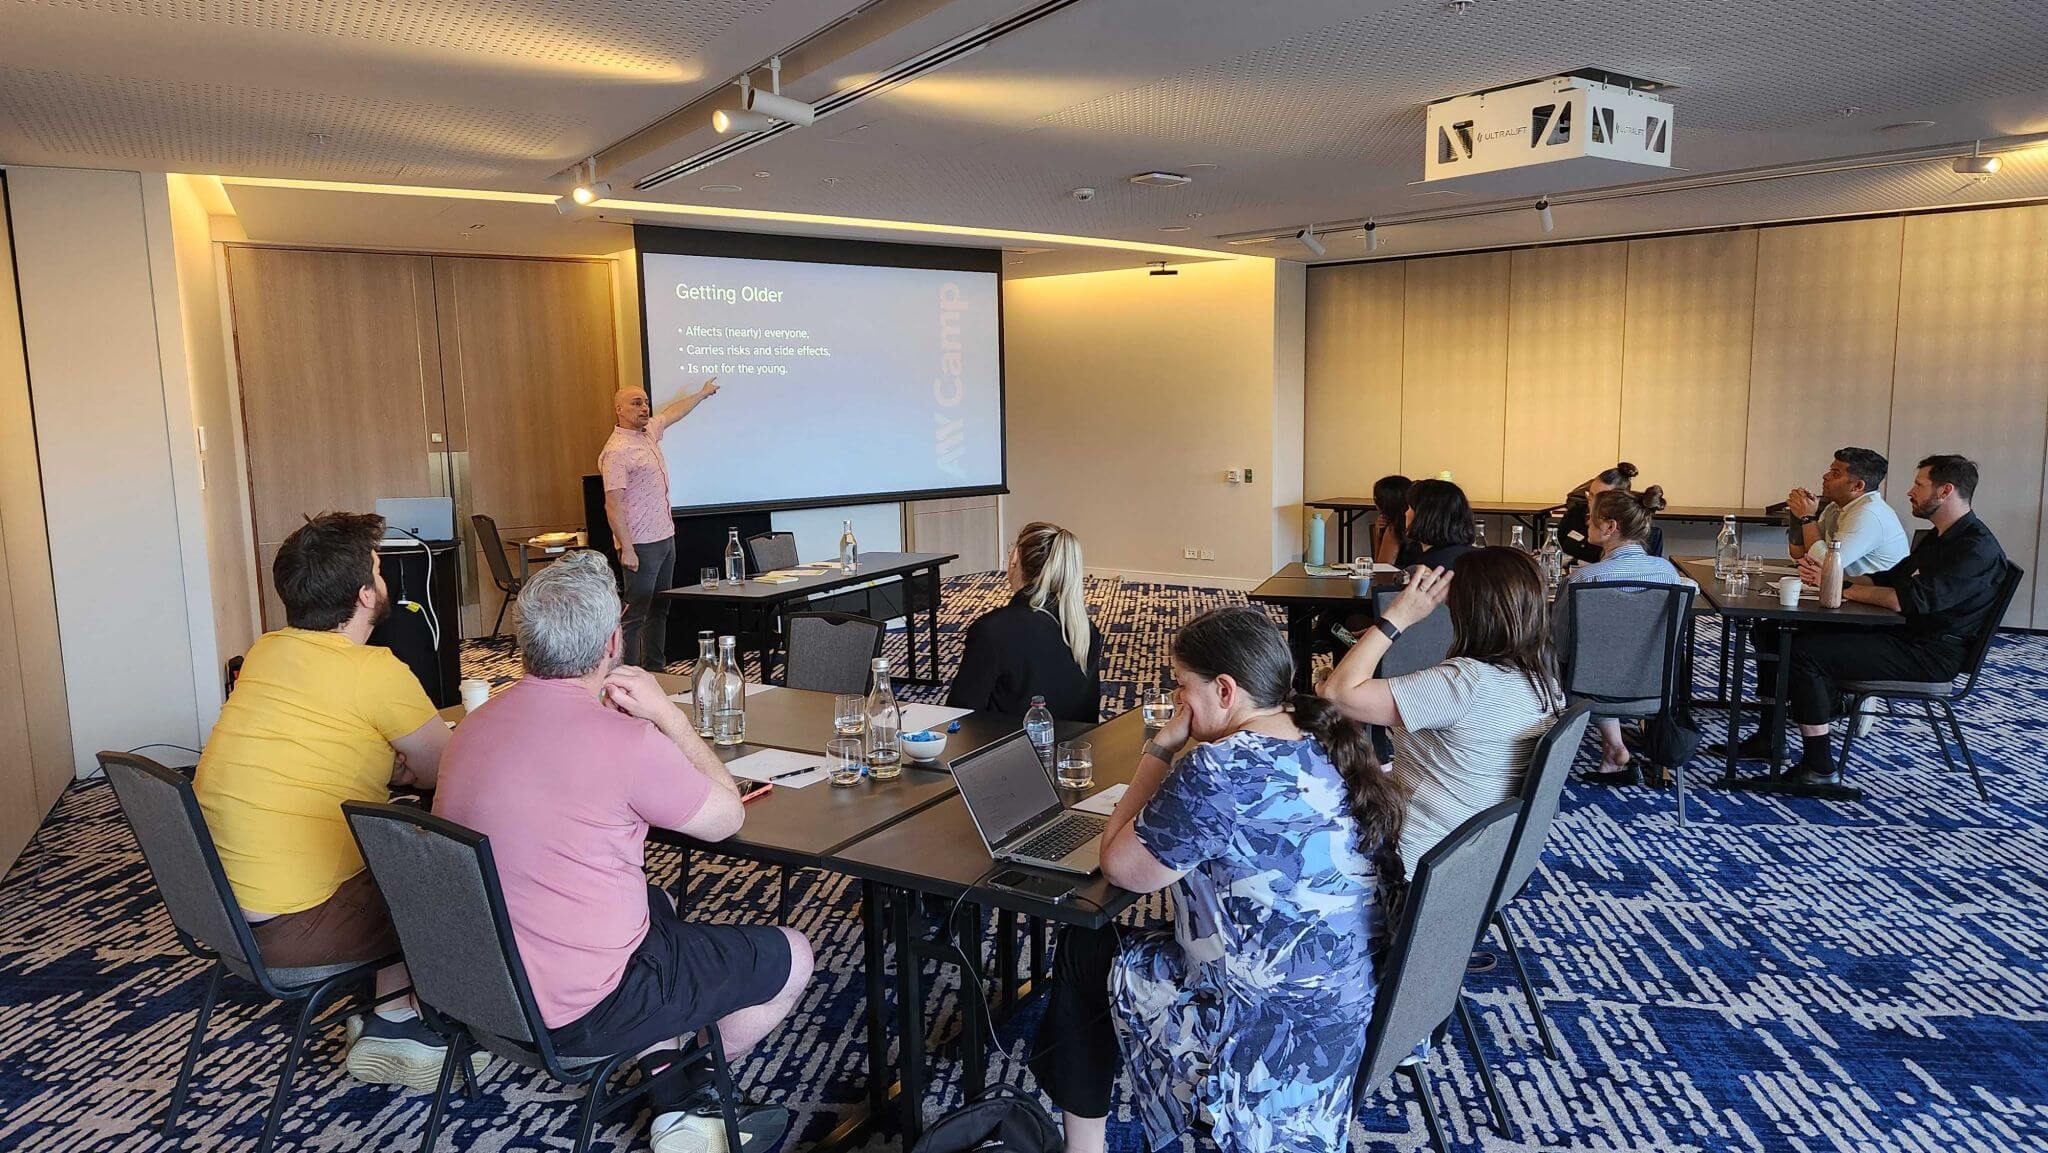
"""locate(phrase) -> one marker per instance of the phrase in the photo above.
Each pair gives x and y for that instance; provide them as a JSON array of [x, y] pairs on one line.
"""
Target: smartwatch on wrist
[[1392, 630], [1155, 749], [1809, 519]]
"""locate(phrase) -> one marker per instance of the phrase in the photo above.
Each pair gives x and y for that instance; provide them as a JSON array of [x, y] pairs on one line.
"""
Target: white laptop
[[426, 517], [1018, 812]]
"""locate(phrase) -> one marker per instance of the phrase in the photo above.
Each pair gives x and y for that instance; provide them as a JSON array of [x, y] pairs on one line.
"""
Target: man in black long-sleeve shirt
[[1945, 588]]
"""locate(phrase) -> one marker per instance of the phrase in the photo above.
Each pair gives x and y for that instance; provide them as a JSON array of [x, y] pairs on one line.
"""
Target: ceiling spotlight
[[1544, 214], [759, 110], [1372, 236], [1159, 269], [1976, 165], [590, 193], [1307, 237]]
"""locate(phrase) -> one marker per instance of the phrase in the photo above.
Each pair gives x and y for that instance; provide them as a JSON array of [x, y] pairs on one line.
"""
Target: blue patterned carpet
[[1783, 975]]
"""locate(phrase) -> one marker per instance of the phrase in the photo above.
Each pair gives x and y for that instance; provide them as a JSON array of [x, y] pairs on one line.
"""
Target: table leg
[[932, 605], [1736, 646], [1041, 972], [1301, 622], [1006, 957], [909, 1016], [973, 1026], [872, 934]]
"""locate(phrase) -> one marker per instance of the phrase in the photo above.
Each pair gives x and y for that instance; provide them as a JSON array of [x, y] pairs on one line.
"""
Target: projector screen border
[[663, 239]]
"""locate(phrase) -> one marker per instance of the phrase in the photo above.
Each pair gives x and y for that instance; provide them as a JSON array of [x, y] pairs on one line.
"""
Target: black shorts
[[683, 977]]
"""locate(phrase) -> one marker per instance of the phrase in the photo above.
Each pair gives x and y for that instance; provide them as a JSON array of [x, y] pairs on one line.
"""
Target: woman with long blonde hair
[[1042, 643]]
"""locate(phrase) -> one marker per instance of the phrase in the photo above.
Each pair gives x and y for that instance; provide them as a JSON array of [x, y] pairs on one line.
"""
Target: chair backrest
[[493, 548], [771, 551], [441, 884], [164, 814], [1550, 765], [830, 652], [1423, 970], [1622, 642], [1981, 643], [1655, 544], [1919, 534], [1424, 646]]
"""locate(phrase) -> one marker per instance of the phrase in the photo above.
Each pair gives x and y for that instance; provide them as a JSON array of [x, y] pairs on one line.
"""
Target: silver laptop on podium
[[1018, 812]]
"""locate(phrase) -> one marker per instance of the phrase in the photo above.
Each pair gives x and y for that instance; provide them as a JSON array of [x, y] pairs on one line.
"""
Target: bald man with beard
[[636, 503]]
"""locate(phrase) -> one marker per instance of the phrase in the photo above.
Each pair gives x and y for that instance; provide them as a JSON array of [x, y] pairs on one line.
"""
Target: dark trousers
[[1822, 660], [646, 623], [1074, 1053]]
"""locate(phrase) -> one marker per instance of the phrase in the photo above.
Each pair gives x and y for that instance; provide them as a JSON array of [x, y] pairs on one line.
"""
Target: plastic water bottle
[[884, 735], [1727, 551], [1038, 727], [729, 719], [849, 550], [1550, 559], [1478, 534], [735, 559], [1312, 553], [704, 682], [1515, 538]]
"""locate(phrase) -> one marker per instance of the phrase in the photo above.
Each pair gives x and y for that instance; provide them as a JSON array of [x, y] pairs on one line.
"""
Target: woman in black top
[[1390, 518], [1571, 527], [1042, 643], [1439, 525]]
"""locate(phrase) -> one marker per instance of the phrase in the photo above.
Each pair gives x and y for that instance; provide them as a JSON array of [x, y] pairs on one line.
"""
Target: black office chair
[[1621, 652], [1423, 646], [441, 884], [1939, 695], [830, 652], [771, 550], [164, 814], [493, 548]]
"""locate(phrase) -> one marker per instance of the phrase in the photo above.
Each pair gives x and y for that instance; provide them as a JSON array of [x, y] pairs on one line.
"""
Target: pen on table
[[795, 773]]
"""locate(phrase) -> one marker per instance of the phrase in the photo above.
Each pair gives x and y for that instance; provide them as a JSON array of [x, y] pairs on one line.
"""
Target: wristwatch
[[1154, 748], [1809, 519], [1392, 630]]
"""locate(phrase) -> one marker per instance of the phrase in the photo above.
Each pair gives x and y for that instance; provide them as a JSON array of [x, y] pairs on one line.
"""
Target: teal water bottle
[[1313, 555]]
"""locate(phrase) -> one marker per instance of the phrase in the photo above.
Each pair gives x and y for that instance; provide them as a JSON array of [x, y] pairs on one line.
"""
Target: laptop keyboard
[[1063, 836]]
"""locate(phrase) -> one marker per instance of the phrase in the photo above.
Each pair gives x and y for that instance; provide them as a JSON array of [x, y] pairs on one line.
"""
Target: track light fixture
[[589, 189], [759, 111], [1159, 269], [1543, 213], [1372, 235], [1976, 165], [1307, 237]]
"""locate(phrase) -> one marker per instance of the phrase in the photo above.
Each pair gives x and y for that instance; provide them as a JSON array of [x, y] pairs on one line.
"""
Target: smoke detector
[[1083, 194], [1161, 179]]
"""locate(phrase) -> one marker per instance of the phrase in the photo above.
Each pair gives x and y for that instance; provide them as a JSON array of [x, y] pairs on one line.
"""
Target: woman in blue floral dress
[[1277, 830]]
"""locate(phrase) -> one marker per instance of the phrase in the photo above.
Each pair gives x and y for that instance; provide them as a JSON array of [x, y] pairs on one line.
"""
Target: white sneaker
[[761, 1127], [386, 1052]]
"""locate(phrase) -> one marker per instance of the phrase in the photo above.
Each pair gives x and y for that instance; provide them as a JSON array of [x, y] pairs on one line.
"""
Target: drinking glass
[[1075, 765], [849, 714], [844, 762], [1753, 573], [1158, 711], [1361, 566], [708, 577]]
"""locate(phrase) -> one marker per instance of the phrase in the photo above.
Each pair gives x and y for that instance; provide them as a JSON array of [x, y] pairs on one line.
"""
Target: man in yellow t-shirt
[[318, 717]]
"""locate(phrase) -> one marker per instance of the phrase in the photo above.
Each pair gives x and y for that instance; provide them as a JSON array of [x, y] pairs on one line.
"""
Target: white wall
[[105, 345], [1130, 395]]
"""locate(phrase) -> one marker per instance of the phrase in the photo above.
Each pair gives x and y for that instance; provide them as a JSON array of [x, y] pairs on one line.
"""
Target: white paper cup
[[474, 694], [1788, 592]]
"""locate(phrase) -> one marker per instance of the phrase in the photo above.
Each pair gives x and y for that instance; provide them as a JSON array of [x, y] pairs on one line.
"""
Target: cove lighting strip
[[707, 212]]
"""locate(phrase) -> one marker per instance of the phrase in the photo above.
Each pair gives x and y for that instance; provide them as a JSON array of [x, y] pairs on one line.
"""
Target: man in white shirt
[[1868, 531]]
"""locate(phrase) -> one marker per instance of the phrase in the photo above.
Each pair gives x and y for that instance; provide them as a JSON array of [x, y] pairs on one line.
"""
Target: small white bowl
[[923, 745]]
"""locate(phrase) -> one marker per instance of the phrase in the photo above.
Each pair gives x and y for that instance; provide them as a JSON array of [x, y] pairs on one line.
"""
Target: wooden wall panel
[[1821, 360], [1972, 368], [1454, 370], [340, 385], [1565, 316], [967, 525], [1685, 367], [1352, 403]]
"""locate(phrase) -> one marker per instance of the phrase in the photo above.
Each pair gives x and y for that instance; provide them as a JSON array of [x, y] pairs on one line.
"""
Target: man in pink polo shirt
[[636, 504], [564, 772]]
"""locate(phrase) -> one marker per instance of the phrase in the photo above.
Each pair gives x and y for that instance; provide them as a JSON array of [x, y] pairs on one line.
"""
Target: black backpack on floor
[[1004, 1120]]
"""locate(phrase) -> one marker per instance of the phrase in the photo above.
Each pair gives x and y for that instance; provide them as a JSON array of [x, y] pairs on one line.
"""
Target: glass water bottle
[[729, 719], [704, 682], [884, 746], [735, 559], [849, 550]]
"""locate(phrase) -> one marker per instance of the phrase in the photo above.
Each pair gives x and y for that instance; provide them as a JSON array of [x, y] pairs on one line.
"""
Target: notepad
[[753, 690], [916, 716], [1103, 803], [781, 577], [768, 764]]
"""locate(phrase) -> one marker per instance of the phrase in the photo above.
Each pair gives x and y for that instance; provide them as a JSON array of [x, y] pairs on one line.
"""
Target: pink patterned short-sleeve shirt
[[631, 462]]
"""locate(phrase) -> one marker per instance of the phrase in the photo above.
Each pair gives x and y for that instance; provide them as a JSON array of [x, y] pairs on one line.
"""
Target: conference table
[[1536, 515], [1740, 612], [762, 603], [1305, 598], [905, 840]]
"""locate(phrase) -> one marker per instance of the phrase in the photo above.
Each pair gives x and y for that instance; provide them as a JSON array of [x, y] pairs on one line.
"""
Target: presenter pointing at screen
[[636, 503]]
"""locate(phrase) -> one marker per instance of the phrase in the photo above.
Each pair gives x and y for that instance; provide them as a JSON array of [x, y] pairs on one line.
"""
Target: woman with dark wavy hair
[[1462, 730], [1269, 815], [1439, 525]]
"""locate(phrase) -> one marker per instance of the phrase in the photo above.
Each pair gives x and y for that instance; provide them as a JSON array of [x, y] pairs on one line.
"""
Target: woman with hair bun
[[1618, 523], [1042, 643], [1571, 527]]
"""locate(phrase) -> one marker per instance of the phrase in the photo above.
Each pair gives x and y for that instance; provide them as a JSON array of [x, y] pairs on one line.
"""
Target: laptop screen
[[1005, 788]]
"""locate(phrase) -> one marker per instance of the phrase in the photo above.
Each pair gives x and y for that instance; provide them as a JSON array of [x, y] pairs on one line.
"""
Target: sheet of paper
[[768, 763], [753, 690], [1103, 803], [916, 716]]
